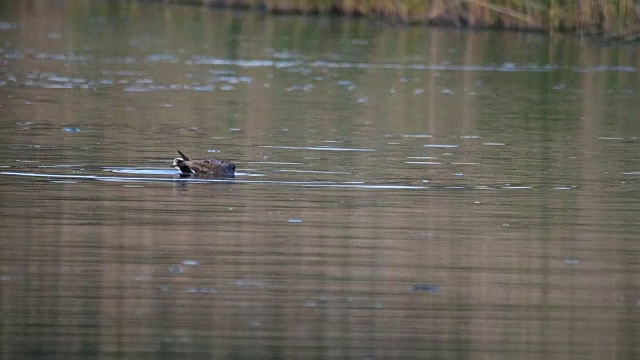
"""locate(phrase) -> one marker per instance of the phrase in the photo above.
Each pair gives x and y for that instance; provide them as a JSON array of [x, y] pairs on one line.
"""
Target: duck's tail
[[184, 157]]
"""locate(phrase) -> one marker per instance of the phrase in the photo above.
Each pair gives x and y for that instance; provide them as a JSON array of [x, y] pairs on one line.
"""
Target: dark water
[[400, 193]]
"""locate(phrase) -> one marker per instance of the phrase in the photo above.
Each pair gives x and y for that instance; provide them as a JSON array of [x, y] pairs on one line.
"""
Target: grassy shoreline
[[612, 19]]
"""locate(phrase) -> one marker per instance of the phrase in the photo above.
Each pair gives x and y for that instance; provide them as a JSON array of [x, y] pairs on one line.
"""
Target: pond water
[[400, 192]]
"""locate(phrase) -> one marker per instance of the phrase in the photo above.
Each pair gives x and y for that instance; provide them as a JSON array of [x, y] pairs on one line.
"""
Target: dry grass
[[612, 18]]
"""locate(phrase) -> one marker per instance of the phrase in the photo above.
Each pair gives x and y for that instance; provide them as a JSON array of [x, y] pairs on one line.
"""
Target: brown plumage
[[211, 168]]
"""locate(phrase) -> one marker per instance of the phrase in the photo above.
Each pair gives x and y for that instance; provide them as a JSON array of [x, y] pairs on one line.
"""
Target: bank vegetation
[[613, 19]]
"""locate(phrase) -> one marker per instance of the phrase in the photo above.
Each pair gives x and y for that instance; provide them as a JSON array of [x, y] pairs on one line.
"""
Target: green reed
[[612, 18]]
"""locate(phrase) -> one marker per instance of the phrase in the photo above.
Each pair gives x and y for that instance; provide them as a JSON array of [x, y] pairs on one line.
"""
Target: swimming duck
[[212, 168]]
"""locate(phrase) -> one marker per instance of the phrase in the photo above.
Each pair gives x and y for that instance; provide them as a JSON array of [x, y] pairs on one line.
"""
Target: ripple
[[493, 144], [161, 58], [143, 171], [298, 62], [442, 146], [424, 288], [611, 138], [58, 166], [324, 184], [274, 162], [511, 187], [316, 148], [417, 136], [7, 25], [423, 162], [313, 172]]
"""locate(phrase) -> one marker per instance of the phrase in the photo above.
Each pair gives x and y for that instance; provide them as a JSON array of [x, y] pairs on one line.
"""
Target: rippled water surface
[[400, 192]]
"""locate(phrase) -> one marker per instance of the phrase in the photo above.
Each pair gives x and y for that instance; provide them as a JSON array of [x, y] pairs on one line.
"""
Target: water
[[400, 192]]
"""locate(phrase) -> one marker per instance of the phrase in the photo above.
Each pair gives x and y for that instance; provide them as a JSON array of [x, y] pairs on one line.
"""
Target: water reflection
[[400, 193]]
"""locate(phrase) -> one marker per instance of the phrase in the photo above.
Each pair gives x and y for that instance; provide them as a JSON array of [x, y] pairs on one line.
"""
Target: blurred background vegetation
[[614, 19]]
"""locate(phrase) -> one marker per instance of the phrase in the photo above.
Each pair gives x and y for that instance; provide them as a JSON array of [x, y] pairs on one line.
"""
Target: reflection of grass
[[613, 18]]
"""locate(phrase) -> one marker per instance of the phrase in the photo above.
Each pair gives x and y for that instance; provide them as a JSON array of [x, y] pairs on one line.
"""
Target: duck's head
[[177, 162], [228, 168]]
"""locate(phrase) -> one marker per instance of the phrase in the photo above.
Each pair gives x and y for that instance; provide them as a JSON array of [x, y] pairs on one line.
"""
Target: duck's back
[[214, 168]]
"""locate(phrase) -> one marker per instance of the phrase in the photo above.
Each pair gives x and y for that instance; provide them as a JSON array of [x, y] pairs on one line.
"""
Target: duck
[[211, 168]]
